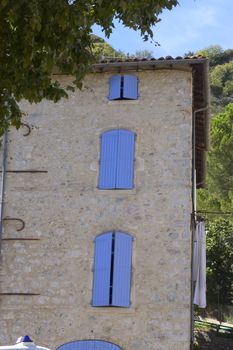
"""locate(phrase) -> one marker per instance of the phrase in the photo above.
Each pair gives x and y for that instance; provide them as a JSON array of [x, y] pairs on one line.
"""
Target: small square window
[[123, 87]]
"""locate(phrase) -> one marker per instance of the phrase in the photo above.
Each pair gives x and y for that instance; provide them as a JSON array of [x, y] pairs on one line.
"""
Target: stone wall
[[64, 209]]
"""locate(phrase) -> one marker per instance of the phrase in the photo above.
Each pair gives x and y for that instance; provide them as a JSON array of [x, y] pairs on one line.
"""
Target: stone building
[[105, 254]]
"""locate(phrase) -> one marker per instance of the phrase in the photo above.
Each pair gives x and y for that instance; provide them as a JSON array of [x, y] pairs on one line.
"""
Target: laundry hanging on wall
[[199, 265]]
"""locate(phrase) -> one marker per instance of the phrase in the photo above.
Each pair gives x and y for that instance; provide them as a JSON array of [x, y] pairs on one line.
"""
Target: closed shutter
[[103, 345], [108, 159], [78, 345], [115, 87], [125, 160], [102, 267], [89, 345], [122, 270], [130, 89]]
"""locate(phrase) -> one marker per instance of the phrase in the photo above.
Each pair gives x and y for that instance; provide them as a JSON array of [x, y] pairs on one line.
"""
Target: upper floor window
[[112, 269], [117, 159], [123, 87]]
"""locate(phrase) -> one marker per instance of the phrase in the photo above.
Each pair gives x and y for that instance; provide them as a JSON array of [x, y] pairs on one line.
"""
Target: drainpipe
[[193, 215], [194, 150], [2, 188]]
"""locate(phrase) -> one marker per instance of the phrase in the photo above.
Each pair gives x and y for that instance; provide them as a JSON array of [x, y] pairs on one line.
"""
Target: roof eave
[[147, 64]]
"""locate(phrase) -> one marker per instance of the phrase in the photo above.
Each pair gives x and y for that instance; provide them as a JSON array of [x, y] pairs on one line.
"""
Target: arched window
[[88, 345], [117, 159], [112, 269], [123, 87]]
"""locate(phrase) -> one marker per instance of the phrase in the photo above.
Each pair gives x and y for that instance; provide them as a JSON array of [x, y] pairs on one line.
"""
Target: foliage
[[218, 194], [216, 55], [196, 346], [103, 50], [221, 73], [189, 54], [221, 82], [219, 247], [144, 54], [36, 36]]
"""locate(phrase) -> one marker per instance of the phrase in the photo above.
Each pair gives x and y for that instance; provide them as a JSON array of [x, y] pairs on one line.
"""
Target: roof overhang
[[199, 67]]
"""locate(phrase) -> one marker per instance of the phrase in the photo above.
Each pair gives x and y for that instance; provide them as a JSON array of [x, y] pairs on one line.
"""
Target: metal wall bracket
[[20, 239], [26, 171], [28, 129], [18, 293], [16, 219]]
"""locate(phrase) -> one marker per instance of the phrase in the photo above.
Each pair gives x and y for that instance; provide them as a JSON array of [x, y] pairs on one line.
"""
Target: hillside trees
[[221, 82], [144, 54], [217, 198], [216, 55], [37, 35], [221, 74], [101, 49], [219, 244], [218, 194]]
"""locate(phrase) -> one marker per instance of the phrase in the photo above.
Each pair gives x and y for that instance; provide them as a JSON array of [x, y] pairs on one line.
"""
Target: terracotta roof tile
[[136, 59]]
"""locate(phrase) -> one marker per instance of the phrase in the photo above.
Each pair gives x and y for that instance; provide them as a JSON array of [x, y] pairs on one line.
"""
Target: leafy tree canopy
[[38, 35], [216, 55], [103, 50], [218, 194], [221, 82], [144, 54], [221, 74], [219, 248]]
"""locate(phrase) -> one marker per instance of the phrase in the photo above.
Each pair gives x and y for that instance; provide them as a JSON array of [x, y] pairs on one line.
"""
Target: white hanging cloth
[[199, 265]]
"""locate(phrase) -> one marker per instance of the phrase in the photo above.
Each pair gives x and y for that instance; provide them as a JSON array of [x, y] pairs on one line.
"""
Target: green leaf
[[40, 37]]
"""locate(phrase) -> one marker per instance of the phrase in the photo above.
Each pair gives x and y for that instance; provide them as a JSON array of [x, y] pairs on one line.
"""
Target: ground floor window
[[88, 345]]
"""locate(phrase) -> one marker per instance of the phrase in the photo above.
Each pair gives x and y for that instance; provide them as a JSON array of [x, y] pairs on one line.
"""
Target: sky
[[191, 26]]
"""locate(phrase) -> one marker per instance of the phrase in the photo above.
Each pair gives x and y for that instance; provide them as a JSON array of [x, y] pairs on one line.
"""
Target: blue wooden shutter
[[125, 159], [130, 87], [103, 345], [115, 87], [108, 159], [102, 267], [89, 345], [122, 270], [78, 345]]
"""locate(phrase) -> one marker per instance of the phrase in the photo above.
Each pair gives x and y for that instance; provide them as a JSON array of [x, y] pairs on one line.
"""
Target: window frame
[[94, 344], [123, 87], [117, 166], [112, 283]]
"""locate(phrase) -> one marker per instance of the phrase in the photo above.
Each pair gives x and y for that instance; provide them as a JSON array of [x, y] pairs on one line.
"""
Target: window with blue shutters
[[88, 345], [123, 87], [117, 159], [112, 269]]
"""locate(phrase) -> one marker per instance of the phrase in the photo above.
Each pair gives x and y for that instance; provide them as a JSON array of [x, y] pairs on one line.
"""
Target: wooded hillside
[[215, 201]]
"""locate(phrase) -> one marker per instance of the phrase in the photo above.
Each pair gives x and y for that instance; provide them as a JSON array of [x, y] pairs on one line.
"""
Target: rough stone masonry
[[46, 284]]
